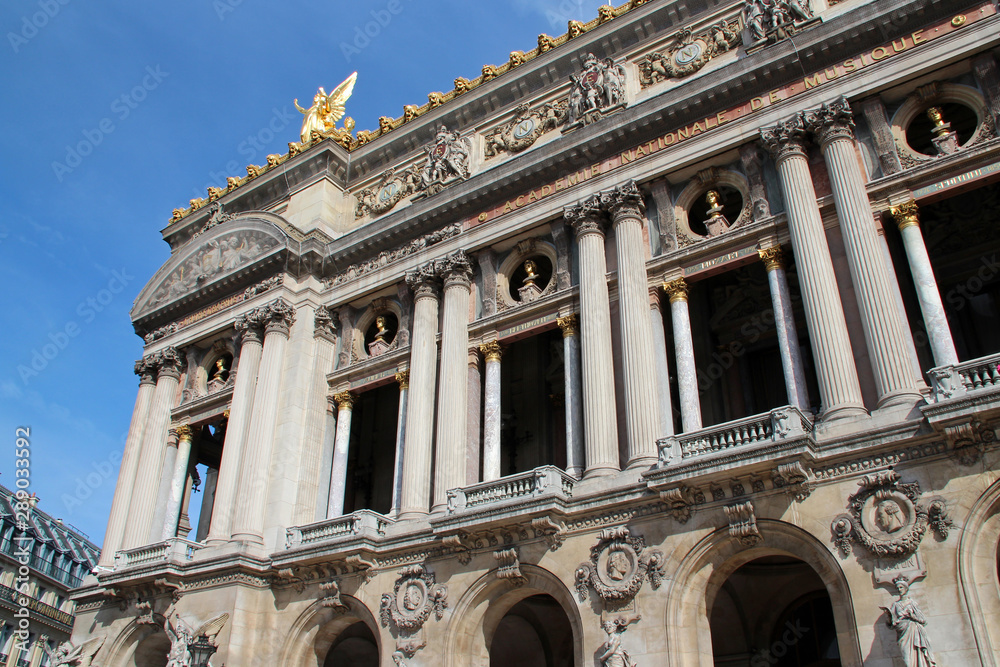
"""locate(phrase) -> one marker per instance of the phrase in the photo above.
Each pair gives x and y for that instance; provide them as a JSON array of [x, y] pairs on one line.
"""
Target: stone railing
[[960, 379], [780, 424], [174, 550], [357, 524], [540, 481]]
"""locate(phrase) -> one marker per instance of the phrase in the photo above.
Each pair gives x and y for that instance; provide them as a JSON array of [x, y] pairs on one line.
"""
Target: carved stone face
[[413, 597], [618, 565], [888, 515]]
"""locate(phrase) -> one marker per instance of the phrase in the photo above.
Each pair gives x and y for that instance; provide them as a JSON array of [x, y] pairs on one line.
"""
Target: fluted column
[[665, 408], [641, 415], [415, 496], [884, 331], [341, 448], [249, 329], [784, 322], [452, 409], [840, 392], [166, 478], [687, 373], [403, 380], [907, 218], [317, 456], [248, 521], [491, 421], [600, 427], [575, 458], [178, 483], [154, 438], [145, 368]]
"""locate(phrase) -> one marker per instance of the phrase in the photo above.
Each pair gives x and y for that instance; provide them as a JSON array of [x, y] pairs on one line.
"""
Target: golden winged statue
[[326, 110]]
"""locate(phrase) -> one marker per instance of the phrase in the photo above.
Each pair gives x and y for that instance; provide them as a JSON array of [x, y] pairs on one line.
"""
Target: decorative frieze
[[598, 90], [388, 256], [885, 518], [524, 129], [619, 564], [689, 53]]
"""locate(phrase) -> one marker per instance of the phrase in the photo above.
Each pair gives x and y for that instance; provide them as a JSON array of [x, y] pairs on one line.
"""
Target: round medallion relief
[[617, 564], [886, 515], [412, 597], [688, 53], [524, 128]]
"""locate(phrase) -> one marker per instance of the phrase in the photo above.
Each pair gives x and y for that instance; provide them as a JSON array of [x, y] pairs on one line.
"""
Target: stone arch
[[138, 645], [944, 93], [316, 629], [697, 187], [379, 306], [706, 567], [978, 563], [527, 249], [478, 613]]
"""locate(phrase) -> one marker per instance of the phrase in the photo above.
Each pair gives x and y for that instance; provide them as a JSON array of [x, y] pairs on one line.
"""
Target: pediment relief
[[217, 254]]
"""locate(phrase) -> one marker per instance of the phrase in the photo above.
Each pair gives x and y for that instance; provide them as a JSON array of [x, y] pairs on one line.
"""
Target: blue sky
[[115, 113]]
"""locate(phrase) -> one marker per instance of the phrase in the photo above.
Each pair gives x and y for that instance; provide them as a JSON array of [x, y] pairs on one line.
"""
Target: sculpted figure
[[888, 515], [221, 372], [382, 332], [180, 639], [614, 655], [618, 565], [755, 16], [908, 621], [67, 654], [532, 270], [326, 110]]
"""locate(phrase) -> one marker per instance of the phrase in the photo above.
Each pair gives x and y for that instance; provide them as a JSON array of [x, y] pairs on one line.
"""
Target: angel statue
[[67, 654], [326, 110], [182, 636]]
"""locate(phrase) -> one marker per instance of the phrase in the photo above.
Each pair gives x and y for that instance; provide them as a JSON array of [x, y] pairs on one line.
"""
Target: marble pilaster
[[491, 418], [575, 455], [884, 332], [907, 218], [784, 322], [687, 373], [341, 449], [403, 380], [178, 483], [839, 389], [599, 413]]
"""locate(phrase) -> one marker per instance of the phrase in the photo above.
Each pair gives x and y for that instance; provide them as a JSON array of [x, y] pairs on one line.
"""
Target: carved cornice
[[831, 121], [785, 139]]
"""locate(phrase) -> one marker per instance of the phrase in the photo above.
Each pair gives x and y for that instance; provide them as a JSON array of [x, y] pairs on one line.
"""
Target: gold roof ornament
[[326, 110]]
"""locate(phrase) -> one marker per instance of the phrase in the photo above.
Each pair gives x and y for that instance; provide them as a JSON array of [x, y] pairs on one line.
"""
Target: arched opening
[[535, 632], [151, 651], [354, 647], [774, 610]]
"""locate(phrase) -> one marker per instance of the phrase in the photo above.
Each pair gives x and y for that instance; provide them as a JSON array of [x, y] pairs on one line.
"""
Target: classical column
[[784, 322], [178, 483], [840, 392], [415, 496], [687, 374], [249, 329], [452, 409], [154, 438], [574, 401], [907, 218], [659, 344], [166, 478], [403, 380], [341, 448], [207, 504], [600, 424], [145, 368], [884, 331], [491, 418], [317, 447], [641, 410], [251, 497], [474, 427]]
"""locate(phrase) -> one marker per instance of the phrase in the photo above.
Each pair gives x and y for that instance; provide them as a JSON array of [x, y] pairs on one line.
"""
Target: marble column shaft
[[317, 459], [575, 455], [784, 322], [641, 410], [659, 342], [166, 478], [415, 496], [687, 373], [452, 407], [935, 320], [474, 427], [599, 412], [241, 407], [154, 438], [255, 467], [840, 392], [884, 332], [146, 370], [207, 504], [178, 483], [403, 380], [492, 415], [341, 449]]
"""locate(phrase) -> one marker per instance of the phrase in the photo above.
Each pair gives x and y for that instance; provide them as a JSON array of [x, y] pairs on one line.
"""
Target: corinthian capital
[[423, 281], [146, 369], [456, 268], [586, 217], [625, 201], [280, 316], [786, 138], [324, 326], [831, 121], [169, 362]]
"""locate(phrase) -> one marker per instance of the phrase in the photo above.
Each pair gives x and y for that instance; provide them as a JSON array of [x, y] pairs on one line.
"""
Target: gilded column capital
[[344, 400], [772, 258], [184, 432], [785, 139], [586, 217], [169, 363], [624, 202], [403, 380], [568, 325], [423, 282], [324, 324], [146, 369], [455, 269], [492, 350], [676, 289], [906, 215], [831, 121]]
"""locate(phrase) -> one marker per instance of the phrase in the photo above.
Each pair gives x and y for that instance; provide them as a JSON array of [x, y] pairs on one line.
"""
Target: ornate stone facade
[[721, 348]]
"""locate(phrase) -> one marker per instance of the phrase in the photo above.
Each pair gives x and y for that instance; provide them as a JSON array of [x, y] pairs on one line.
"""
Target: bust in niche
[[381, 335], [529, 289], [716, 223], [221, 374]]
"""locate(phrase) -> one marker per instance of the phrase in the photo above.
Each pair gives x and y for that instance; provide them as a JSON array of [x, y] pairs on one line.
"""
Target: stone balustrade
[[173, 550], [540, 481], [784, 423], [362, 523], [956, 380]]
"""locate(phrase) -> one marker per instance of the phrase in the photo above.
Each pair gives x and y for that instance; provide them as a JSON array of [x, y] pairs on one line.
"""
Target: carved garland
[[618, 566], [884, 517], [413, 597]]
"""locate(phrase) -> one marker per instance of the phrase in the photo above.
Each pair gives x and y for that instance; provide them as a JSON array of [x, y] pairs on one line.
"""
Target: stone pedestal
[[687, 373]]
